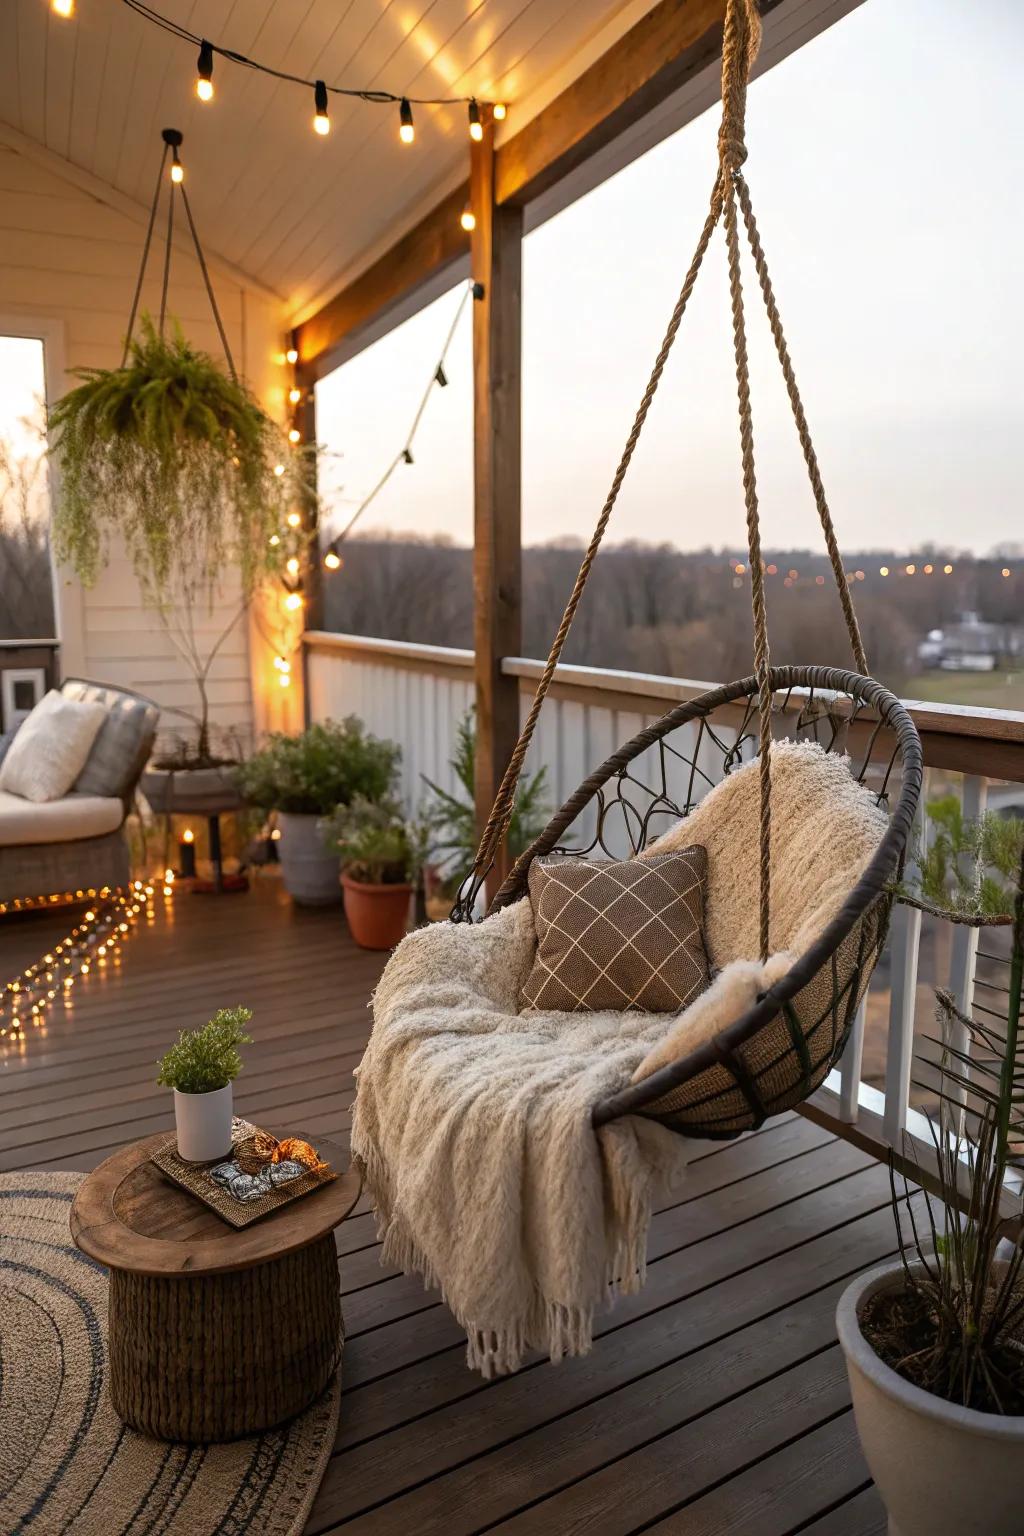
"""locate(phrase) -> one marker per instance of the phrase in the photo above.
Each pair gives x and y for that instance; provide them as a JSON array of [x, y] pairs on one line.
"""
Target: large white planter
[[203, 1122], [941, 1470], [310, 870]]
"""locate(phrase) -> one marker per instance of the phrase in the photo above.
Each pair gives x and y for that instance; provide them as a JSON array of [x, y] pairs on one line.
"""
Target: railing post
[[850, 1066], [964, 957], [904, 946], [497, 396]]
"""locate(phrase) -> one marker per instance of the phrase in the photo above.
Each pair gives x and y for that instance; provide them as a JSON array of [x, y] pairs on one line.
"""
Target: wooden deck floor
[[713, 1404]]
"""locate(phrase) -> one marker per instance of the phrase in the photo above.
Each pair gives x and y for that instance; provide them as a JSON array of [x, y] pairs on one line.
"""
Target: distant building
[[971, 645]]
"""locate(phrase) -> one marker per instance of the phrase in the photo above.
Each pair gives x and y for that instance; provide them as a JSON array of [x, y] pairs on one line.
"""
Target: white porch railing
[[417, 694]]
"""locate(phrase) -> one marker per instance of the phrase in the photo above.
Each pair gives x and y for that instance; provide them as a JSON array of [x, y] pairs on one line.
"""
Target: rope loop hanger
[[173, 139], [730, 204]]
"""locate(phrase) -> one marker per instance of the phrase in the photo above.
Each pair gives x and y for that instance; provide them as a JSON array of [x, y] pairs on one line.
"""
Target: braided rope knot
[[732, 150]]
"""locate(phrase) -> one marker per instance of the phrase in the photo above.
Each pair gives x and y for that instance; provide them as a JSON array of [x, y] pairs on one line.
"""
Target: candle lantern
[[187, 854]]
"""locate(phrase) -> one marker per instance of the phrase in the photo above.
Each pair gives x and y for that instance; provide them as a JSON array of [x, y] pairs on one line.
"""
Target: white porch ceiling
[[299, 214]]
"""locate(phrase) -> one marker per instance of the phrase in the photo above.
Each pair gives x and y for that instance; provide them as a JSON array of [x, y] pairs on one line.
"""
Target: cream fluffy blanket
[[473, 1123]]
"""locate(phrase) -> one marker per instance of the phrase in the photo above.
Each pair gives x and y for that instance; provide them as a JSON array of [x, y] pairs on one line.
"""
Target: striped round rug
[[68, 1466]]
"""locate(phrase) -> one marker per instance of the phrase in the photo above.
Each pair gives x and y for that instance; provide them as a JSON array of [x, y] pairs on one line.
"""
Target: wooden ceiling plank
[[31, 55], [343, 59], [383, 61], [319, 282]]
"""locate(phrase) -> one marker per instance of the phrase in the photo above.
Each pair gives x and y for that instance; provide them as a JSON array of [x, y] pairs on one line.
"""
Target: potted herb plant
[[201, 1068], [380, 855], [934, 1344], [303, 778], [450, 825]]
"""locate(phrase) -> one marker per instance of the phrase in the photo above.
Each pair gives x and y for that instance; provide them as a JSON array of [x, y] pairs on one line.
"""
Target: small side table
[[214, 1332]]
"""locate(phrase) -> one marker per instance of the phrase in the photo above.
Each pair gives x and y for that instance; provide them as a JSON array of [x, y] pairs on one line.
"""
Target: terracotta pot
[[309, 868], [203, 1123], [942, 1470], [378, 915]]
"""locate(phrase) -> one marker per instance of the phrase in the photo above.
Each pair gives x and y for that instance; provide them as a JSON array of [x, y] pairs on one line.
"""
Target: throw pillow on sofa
[[51, 748]]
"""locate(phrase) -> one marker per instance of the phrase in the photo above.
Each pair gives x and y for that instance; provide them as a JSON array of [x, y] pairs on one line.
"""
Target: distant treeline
[[651, 608]]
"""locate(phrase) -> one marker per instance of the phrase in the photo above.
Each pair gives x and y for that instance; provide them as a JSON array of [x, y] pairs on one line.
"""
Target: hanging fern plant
[[174, 458]]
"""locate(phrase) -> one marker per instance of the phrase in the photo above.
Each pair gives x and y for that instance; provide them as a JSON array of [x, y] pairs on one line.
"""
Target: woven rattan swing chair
[[780, 1050]]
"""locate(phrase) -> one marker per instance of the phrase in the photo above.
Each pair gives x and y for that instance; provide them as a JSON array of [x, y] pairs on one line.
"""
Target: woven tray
[[195, 1177]]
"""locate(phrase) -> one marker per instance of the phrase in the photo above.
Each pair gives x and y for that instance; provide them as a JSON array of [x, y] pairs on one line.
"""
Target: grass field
[[985, 690]]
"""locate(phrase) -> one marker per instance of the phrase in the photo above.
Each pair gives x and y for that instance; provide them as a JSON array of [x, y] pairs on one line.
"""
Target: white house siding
[[68, 265]]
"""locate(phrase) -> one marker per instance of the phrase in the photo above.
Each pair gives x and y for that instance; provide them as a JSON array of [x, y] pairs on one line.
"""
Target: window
[[26, 582]]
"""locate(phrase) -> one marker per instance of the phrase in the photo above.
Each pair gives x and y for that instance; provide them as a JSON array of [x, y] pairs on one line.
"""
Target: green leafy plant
[[176, 460], [967, 868], [957, 1326], [328, 764], [206, 1059], [450, 819], [376, 843]]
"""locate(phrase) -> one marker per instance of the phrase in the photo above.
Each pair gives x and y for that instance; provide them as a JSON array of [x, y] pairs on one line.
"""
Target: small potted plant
[[380, 855], [201, 1068], [303, 778], [934, 1343]]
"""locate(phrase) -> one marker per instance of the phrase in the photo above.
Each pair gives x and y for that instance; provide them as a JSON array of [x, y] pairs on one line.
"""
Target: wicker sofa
[[78, 842]]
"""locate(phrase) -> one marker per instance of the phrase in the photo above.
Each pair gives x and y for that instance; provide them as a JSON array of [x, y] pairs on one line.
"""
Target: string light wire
[[373, 96], [438, 379]]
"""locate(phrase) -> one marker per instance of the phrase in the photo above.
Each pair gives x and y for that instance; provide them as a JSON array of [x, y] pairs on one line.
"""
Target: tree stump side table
[[214, 1332]]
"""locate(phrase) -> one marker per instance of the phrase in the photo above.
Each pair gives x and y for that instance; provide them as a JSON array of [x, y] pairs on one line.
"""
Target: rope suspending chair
[[782, 1048]]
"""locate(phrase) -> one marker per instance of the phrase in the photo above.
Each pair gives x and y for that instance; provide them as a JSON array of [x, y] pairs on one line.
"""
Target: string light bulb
[[468, 219], [292, 355], [177, 170], [293, 601], [321, 121], [282, 664], [63, 8], [294, 434], [332, 560], [476, 127], [294, 519], [294, 395], [500, 111], [292, 566], [406, 129], [204, 70], [188, 836]]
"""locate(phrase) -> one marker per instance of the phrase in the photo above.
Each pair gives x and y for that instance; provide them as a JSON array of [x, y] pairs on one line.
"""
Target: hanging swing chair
[[777, 1052]]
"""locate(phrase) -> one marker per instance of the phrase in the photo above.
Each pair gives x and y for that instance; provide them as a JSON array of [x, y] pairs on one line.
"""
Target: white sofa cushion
[[56, 821], [51, 748]]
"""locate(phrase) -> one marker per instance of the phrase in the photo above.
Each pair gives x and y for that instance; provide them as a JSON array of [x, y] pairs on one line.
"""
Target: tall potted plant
[[303, 778], [450, 826], [380, 856], [934, 1344], [201, 1068]]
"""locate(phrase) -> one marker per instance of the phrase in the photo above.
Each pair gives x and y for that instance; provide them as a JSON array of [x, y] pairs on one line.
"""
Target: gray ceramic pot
[[310, 870], [941, 1470]]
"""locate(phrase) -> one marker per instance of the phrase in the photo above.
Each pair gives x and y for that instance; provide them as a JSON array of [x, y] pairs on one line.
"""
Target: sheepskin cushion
[[618, 934], [825, 828], [51, 748]]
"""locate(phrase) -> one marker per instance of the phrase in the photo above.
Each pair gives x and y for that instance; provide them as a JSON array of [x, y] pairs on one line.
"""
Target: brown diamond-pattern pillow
[[618, 935]]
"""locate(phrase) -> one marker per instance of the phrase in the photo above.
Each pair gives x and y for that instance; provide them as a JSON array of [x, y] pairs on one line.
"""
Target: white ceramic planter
[[310, 870], [941, 1470], [203, 1122]]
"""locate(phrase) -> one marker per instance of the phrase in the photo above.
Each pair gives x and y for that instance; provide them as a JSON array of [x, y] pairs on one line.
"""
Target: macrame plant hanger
[[172, 143], [730, 202]]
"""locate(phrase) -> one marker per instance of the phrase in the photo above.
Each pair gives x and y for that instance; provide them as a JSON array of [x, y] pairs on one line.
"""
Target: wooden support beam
[[497, 562], [436, 242]]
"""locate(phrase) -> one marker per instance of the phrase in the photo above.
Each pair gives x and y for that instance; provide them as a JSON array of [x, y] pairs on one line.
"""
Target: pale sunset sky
[[884, 166]]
